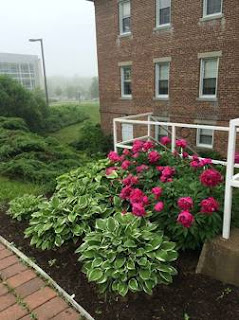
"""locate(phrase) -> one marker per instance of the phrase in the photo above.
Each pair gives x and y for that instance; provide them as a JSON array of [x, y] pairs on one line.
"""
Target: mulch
[[190, 297]]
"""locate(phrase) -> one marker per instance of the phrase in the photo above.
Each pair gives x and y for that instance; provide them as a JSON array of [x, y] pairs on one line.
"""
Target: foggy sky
[[66, 26]]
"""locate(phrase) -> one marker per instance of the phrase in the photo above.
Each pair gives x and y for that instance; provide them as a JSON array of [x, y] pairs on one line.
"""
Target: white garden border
[[46, 277]]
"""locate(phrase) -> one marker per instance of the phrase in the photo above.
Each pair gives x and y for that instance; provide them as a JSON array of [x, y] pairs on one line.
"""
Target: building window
[[125, 17], [163, 12], [205, 138], [212, 7], [162, 80], [209, 77], [126, 91]]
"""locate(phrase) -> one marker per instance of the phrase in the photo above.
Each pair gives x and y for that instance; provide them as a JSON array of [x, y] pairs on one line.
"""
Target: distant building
[[23, 68]]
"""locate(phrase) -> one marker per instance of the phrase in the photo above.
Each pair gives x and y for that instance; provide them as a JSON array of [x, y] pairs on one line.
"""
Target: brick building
[[176, 58]]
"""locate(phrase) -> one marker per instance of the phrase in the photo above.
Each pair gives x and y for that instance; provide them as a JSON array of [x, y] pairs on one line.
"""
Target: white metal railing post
[[115, 134], [173, 139], [149, 126], [229, 177]]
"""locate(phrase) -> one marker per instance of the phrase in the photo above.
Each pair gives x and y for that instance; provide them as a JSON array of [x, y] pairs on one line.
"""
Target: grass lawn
[[71, 133], [10, 189]]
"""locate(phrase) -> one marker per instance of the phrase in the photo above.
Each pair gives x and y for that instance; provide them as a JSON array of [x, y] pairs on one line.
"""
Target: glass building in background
[[23, 68]]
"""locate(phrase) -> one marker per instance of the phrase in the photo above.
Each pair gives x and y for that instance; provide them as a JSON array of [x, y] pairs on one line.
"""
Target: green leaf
[[100, 224], [172, 255], [130, 244], [95, 274], [111, 224], [130, 264], [123, 289], [72, 217], [145, 274], [133, 285], [161, 255], [119, 262], [97, 262], [156, 242], [168, 246], [82, 202]]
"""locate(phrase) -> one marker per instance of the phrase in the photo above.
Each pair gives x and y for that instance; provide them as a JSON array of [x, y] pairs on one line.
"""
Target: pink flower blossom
[[137, 146], [148, 145], [185, 218], [195, 157], [130, 180], [181, 143], [125, 164], [136, 196], [185, 203], [157, 191], [159, 206], [160, 168], [153, 156], [114, 157], [141, 168], [109, 170], [165, 141], [205, 161], [237, 158], [168, 171], [138, 210], [195, 164], [209, 205], [125, 192], [136, 155], [210, 178], [185, 155], [126, 152], [145, 200]]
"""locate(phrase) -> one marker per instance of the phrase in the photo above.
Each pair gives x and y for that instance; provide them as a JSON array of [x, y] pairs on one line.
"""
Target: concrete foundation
[[219, 259]]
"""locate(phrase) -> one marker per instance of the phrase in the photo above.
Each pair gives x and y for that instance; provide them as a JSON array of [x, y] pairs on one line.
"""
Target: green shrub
[[16, 101], [63, 116], [92, 140], [23, 207], [125, 254], [81, 197]]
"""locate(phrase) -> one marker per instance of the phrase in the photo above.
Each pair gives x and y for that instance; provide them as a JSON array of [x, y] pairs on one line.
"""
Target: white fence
[[151, 123]]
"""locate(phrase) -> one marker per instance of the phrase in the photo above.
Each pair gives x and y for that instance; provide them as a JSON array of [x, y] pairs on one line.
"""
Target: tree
[[16, 101], [94, 88]]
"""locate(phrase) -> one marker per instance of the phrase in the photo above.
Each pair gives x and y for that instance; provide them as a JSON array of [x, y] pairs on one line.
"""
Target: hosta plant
[[125, 253], [21, 208], [81, 197]]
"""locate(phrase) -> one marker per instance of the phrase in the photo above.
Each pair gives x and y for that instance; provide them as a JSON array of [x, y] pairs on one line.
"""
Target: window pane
[[164, 11], [126, 9], [127, 88], [163, 71], [214, 6], [209, 86], [210, 68], [164, 4], [205, 136], [126, 24], [163, 87], [127, 73]]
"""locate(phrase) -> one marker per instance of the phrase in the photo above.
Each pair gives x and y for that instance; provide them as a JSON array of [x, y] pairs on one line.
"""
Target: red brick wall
[[187, 37]]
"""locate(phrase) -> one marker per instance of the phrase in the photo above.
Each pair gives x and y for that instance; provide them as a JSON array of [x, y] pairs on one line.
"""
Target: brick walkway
[[23, 295]]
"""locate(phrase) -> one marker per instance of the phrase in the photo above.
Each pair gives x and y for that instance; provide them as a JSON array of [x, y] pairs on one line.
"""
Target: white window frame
[[158, 24], [121, 17], [157, 65], [201, 95], [202, 145], [205, 15], [123, 95]]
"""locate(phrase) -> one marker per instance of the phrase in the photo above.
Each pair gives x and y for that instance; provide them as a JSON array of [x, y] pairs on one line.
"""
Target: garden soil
[[190, 297]]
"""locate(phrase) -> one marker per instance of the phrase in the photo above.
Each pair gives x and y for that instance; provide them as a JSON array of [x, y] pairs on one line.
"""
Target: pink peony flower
[[114, 157], [125, 192], [160, 168], [195, 157], [185, 203], [137, 146], [125, 164], [195, 164], [185, 155], [130, 180], [168, 171], [209, 205], [165, 141], [157, 191], [185, 218], [145, 200], [136, 196], [126, 152], [109, 170], [210, 178], [181, 143], [141, 168], [205, 161], [237, 158], [159, 206], [136, 155], [148, 145], [153, 156], [138, 210]]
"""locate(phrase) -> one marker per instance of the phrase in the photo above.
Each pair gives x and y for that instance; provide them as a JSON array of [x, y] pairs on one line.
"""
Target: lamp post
[[44, 67]]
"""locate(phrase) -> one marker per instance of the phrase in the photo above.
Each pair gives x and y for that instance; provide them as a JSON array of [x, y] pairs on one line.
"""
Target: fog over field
[[67, 28]]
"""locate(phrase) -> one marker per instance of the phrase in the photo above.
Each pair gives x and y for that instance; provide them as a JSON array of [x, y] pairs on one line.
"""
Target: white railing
[[231, 179]]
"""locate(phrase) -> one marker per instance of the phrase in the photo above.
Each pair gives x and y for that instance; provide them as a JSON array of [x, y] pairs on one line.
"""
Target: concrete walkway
[[23, 295]]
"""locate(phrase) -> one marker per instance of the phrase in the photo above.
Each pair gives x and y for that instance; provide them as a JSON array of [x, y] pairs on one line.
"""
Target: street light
[[44, 67]]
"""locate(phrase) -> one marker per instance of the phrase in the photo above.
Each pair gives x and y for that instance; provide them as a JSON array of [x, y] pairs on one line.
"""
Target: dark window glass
[[214, 6], [205, 136], [163, 87], [164, 15], [209, 86], [126, 24], [127, 88], [127, 81]]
